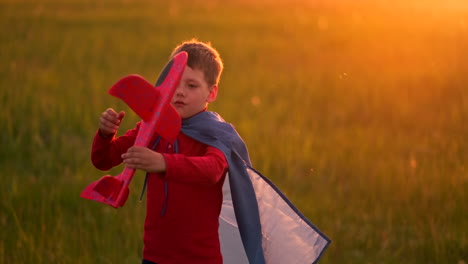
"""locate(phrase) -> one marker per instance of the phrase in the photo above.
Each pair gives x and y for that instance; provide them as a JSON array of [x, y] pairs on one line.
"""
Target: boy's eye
[[191, 85]]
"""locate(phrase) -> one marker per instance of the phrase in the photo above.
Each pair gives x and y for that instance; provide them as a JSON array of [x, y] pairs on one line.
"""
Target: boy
[[185, 179], [185, 184]]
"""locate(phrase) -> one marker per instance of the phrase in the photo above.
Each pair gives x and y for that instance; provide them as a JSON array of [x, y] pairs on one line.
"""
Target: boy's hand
[[144, 159], [109, 122]]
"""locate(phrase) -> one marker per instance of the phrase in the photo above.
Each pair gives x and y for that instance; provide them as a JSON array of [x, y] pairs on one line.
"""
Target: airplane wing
[[138, 94]]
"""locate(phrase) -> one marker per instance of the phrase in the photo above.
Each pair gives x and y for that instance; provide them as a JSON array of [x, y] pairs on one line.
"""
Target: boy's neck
[[204, 110]]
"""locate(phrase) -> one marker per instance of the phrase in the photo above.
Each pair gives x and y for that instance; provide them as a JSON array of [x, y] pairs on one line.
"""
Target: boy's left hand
[[144, 159]]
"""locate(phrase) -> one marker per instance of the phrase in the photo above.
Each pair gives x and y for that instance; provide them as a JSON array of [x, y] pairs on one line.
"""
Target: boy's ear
[[213, 93]]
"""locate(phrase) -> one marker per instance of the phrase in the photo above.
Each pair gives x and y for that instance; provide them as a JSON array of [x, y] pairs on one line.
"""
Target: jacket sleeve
[[207, 169], [106, 153]]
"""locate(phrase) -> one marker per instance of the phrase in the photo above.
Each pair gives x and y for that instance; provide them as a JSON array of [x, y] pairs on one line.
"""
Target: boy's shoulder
[[210, 128], [208, 123]]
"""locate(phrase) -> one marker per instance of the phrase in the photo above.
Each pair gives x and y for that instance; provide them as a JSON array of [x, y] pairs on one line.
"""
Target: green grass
[[358, 111]]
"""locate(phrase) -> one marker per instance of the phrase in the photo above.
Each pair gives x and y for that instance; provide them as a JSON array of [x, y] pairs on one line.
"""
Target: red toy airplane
[[153, 105]]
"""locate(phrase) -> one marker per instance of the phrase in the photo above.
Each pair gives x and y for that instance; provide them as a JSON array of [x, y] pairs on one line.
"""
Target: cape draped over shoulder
[[258, 224]]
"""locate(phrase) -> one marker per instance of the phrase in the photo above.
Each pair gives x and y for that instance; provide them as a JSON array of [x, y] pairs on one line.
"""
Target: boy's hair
[[202, 56]]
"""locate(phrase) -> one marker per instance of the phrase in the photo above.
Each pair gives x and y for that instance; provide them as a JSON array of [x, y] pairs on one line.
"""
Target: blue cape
[[271, 229]]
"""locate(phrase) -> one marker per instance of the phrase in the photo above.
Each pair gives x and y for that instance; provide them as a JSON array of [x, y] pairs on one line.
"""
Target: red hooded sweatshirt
[[183, 203]]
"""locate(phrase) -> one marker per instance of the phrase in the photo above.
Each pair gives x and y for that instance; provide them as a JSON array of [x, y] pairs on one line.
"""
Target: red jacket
[[187, 230]]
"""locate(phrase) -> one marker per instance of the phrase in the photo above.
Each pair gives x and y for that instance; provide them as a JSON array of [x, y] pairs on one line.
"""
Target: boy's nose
[[179, 90]]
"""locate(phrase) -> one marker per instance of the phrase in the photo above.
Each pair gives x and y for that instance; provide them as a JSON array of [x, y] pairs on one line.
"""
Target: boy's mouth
[[178, 103]]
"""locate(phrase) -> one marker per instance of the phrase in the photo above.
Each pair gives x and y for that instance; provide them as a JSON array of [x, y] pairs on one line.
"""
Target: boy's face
[[193, 94]]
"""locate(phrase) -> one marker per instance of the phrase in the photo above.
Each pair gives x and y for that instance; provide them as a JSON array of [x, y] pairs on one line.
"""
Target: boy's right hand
[[109, 122]]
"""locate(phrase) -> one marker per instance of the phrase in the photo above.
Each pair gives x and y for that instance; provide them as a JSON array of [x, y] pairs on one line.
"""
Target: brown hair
[[202, 56]]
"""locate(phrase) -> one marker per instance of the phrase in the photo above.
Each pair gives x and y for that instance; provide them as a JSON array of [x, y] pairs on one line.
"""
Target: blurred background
[[356, 110]]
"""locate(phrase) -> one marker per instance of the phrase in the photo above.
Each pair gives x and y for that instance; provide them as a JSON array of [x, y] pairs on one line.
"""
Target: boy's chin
[[183, 114], [179, 111]]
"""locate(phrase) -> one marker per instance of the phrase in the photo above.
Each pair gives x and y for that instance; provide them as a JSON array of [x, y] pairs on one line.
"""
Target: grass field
[[357, 110]]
